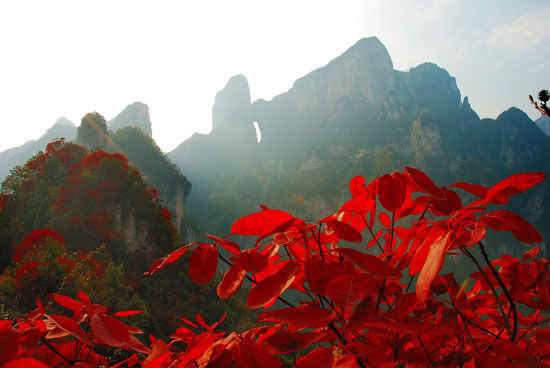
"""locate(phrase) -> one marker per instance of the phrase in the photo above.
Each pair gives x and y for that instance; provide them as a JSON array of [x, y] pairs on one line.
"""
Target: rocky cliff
[[135, 115], [62, 128], [356, 115]]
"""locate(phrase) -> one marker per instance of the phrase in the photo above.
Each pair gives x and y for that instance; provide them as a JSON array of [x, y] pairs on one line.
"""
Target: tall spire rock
[[363, 73], [231, 110], [135, 115]]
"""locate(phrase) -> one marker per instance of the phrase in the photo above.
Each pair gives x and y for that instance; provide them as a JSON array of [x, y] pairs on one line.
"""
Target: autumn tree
[[92, 131]]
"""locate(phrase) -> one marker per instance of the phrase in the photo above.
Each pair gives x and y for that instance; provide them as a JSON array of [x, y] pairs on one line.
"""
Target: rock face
[[356, 115], [63, 128], [544, 124], [134, 115], [231, 111]]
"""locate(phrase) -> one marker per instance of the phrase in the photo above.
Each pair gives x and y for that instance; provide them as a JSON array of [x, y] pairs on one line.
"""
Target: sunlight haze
[[67, 58]]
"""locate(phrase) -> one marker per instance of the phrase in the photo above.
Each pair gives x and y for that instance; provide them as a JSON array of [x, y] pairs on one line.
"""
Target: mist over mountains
[[355, 116]]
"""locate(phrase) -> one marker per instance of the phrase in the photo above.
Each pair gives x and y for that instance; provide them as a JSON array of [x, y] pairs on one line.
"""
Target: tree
[[380, 303], [544, 96], [92, 131]]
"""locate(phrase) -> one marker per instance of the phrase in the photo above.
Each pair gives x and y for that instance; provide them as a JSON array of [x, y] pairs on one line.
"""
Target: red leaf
[[319, 274], [421, 253], [346, 290], [469, 238], [160, 263], [70, 303], [8, 345], [318, 358], [392, 190], [110, 331], [425, 184], [369, 263], [475, 189], [252, 261], [25, 363], [522, 230], [434, 262], [304, 316], [250, 354], [514, 184], [231, 282], [84, 298], [272, 286], [357, 186], [39, 306], [262, 223], [127, 313], [384, 219], [229, 246], [203, 263], [69, 326], [446, 207], [344, 231]]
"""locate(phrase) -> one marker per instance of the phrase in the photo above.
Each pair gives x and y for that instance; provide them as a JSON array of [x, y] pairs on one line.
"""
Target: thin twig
[[504, 289], [370, 230], [54, 350], [426, 351], [500, 307], [380, 297], [473, 323]]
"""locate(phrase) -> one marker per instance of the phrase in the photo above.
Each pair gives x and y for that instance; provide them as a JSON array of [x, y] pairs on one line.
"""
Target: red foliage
[[151, 193], [165, 214], [358, 306], [35, 241]]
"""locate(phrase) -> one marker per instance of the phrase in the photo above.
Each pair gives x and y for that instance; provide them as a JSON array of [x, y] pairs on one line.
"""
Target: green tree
[[92, 131]]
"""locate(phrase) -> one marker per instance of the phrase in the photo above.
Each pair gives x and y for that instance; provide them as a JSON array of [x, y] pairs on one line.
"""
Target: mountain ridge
[[355, 115]]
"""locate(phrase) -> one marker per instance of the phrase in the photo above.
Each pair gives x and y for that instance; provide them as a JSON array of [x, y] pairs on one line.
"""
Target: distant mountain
[[134, 115], [544, 124], [130, 134], [356, 115], [157, 170], [63, 128]]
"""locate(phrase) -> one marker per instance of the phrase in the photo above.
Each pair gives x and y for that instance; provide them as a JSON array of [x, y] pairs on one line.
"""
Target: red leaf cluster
[[361, 306]]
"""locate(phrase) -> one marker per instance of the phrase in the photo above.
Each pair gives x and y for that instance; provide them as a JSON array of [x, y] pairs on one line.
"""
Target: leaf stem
[[425, 351], [500, 307], [54, 350], [371, 233], [504, 289], [380, 296]]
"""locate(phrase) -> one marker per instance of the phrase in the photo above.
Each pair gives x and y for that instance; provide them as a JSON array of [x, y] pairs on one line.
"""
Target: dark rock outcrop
[[134, 115]]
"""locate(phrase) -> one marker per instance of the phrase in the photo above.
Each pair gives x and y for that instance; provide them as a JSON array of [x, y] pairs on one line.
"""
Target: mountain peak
[[135, 114], [371, 50], [64, 121], [232, 106], [513, 113]]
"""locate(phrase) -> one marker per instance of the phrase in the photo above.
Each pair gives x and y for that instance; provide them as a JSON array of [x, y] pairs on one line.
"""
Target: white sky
[[67, 58]]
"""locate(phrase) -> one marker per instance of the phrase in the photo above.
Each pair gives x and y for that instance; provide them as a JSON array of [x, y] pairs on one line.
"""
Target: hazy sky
[[67, 58]]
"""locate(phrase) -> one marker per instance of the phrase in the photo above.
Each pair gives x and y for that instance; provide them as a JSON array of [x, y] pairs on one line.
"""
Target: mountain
[[135, 115], [109, 226], [544, 124], [63, 128], [356, 115], [157, 170]]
